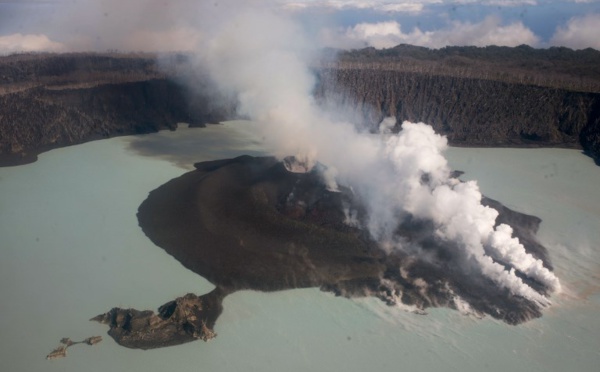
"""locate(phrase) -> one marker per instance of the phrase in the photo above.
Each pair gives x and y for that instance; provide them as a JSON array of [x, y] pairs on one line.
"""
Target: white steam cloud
[[263, 58]]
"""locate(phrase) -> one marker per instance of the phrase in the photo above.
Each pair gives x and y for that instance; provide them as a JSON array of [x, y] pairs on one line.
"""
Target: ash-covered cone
[[250, 223]]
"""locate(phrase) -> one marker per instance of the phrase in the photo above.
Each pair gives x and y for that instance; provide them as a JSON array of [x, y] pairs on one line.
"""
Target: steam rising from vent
[[264, 60]]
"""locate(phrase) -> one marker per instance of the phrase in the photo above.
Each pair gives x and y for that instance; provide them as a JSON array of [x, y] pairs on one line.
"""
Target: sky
[[163, 25]]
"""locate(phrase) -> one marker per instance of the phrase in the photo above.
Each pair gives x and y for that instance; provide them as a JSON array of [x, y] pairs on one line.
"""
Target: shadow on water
[[186, 145]]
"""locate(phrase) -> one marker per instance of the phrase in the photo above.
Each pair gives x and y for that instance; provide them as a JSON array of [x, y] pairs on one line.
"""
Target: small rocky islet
[[61, 351]]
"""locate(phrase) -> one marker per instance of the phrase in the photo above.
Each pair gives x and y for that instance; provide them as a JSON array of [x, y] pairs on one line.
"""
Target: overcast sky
[[62, 25]]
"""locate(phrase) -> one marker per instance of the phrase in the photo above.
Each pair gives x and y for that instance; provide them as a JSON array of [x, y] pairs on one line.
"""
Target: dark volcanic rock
[[493, 96], [469, 111], [249, 223], [232, 233], [185, 319], [40, 119], [590, 135], [60, 100], [61, 351]]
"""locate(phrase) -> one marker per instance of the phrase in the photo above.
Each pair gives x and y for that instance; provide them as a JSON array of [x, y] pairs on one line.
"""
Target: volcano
[[256, 223]]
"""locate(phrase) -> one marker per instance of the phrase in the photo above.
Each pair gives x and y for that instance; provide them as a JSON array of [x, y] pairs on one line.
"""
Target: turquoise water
[[70, 248]]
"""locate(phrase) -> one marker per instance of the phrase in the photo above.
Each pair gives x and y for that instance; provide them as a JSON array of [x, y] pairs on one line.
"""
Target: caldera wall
[[470, 111], [50, 101]]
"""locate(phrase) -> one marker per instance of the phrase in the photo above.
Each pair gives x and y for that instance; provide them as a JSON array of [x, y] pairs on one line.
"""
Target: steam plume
[[263, 58]]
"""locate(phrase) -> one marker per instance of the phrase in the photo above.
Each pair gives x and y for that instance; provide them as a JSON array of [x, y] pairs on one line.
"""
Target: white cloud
[[370, 30], [407, 6], [380, 35], [487, 32], [401, 7], [413, 6], [16, 43], [579, 33], [506, 2]]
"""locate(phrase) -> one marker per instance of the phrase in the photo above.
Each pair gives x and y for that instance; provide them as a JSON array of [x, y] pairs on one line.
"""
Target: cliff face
[[49, 101], [492, 96], [590, 135], [470, 111], [54, 69], [37, 119]]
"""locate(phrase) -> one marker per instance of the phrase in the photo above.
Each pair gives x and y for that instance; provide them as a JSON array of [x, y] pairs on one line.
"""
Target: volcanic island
[[250, 223]]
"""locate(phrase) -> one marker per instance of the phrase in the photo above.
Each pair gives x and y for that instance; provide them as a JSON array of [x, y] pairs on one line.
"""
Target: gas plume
[[264, 59], [259, 55]]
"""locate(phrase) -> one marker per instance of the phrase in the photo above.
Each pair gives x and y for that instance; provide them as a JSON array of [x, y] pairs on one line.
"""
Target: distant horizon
[[180, 25], [151, 52]]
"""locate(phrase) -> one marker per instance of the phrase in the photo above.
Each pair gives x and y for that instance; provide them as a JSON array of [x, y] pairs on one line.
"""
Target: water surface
[[70, 248]]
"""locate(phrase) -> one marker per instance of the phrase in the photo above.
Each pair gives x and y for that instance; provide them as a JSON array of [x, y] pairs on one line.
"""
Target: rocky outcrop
[[182, 320], [590, 136], [61, 351]]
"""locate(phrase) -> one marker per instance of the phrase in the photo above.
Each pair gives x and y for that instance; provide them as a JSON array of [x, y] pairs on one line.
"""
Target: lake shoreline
[[72, 215], [32, 155]]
